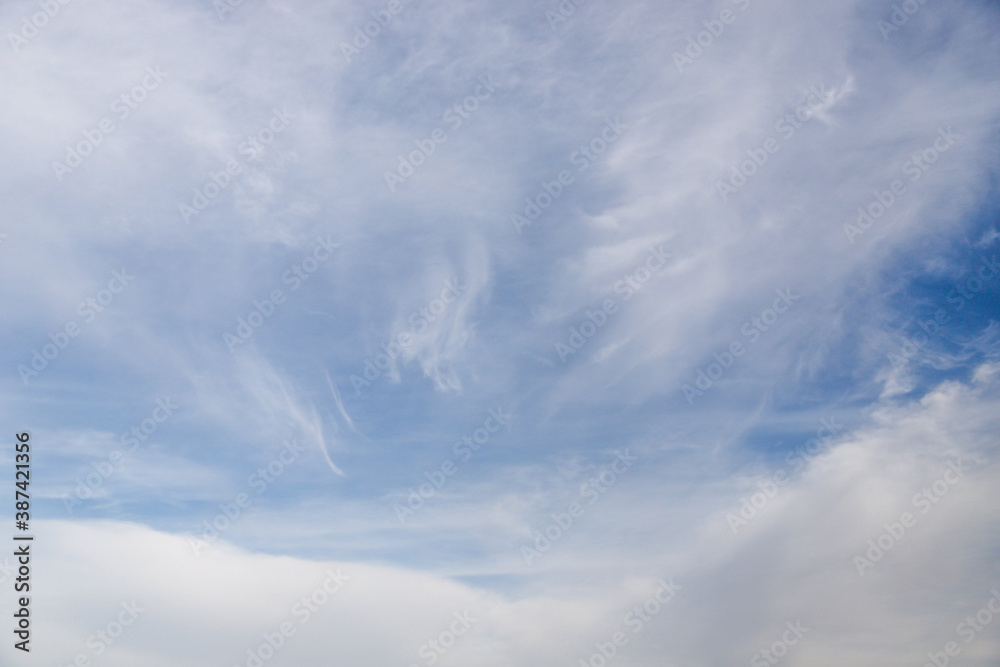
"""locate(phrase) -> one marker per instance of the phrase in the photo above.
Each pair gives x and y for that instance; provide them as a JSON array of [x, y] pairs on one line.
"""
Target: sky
[[503, 333]]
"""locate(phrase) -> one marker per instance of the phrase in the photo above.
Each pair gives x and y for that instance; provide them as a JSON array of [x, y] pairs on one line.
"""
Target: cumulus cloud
[[792, 558]]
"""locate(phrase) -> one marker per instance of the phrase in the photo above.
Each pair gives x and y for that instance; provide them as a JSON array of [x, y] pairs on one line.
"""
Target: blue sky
[[491, 272]]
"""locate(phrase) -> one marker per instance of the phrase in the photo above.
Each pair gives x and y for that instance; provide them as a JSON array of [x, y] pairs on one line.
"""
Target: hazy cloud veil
[[579, 332]]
